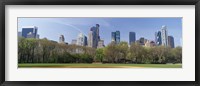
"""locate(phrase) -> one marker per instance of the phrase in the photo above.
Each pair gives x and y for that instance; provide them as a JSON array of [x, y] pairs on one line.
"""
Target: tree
[[99, 55], [111, 52], [136, 51], [123, 51]]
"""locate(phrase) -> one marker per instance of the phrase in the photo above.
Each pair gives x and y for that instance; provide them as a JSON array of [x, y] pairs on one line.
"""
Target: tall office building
[[164, 35], [171, 41], [90, 39], [93, 36], [61, 39], [115, 36], [30, 31], [132, 37], [81, 40], [85, 41], [158, 38]]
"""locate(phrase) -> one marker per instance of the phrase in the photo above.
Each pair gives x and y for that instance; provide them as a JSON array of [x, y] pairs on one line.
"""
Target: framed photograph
[[109, 42]]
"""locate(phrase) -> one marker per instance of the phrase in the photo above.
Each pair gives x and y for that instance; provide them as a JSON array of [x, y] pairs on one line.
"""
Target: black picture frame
[[98, 2]]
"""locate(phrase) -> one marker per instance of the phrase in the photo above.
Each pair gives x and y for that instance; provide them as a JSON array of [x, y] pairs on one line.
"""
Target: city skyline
[[69, 29]]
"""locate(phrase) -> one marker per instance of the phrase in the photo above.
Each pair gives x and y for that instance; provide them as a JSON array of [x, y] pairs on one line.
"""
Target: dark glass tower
[[117, 37], [171, 41], [132, 37], [158, 38]]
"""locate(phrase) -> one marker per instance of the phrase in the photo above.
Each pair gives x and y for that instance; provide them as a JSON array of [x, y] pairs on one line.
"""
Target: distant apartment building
[[101, 44], [150, 43], [81, 40]]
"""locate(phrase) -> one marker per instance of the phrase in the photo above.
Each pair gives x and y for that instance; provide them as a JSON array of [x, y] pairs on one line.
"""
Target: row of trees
[[45, 51]]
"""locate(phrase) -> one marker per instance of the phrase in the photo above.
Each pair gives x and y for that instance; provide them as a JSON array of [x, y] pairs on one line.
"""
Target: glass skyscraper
[[115, 37], [132, 37], [29, 32], [158, 38], [171, 41]]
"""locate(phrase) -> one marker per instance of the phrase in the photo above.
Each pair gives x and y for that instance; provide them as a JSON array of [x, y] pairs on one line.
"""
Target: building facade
[[164, 35], [142, 41], [158, 38], [81, 40], [171, 41], [115, 37], [30, 31], [101, 44], [93, 36], [150, 44], [132, 37]]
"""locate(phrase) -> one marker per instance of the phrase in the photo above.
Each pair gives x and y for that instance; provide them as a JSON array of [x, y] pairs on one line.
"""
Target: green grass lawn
[[53, 65]]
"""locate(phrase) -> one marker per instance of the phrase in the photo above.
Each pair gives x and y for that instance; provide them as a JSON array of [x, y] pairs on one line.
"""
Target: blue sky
[[52, 28]]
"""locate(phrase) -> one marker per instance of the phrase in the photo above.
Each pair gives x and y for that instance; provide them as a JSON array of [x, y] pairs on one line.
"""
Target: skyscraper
[[85, 41], [90, 39], [29, 30], [158, 38], [93, 36], [132, 37], [115, 36], [61, 39], [164, 35], [81, 39], [171, 41]]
